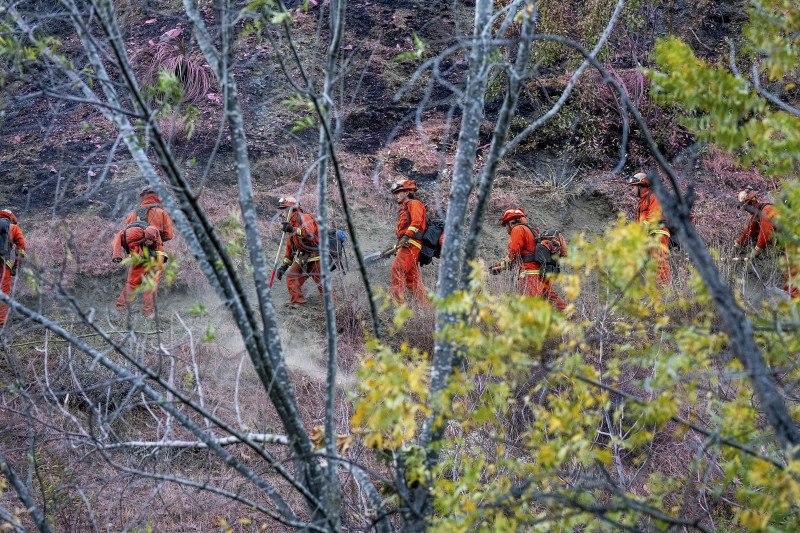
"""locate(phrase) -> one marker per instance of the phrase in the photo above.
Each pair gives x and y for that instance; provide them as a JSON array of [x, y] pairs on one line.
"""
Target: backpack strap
[[418, 235], [530, 255], [143, 212]]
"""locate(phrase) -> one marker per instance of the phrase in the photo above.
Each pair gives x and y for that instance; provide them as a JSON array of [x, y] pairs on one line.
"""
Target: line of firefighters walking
[[149, 226]]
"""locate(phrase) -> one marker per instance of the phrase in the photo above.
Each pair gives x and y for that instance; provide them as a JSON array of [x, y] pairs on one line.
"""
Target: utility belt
[[304, 258]]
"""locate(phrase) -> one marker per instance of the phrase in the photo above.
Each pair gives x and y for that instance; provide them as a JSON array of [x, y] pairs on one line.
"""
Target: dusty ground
[[69, 214]]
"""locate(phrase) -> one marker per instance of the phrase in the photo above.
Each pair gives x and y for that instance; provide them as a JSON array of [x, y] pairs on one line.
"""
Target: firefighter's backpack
[[336, 239], [550, 247], [141, 223], [5, 238], [431, 241]]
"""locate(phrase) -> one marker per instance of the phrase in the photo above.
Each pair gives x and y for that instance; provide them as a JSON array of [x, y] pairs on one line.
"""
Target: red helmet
[[510, 214], [288, 202], [748, 195], [5, 213], [640, 178], [404, 185]]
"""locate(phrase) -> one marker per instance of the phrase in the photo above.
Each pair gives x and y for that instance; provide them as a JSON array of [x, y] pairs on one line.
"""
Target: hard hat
[[747, 196], [286, 203], [403, 185], [510, 214], [5, 213], [640, 178]]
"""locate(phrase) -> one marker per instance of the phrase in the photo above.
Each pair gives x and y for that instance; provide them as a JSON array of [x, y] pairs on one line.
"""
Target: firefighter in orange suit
[[521, 251], [648, 213], [302, 250], [410, 227], [16, 242], [760, 230], [150, 213]]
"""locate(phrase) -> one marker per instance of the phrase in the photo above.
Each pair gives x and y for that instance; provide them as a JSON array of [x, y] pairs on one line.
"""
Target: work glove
[[117, 260], [282, 270], [288, 228], [495, 270], [14, 269], [404, 242]]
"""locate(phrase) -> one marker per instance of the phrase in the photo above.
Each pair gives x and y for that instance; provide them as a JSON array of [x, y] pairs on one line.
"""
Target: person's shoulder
[[521, 229]]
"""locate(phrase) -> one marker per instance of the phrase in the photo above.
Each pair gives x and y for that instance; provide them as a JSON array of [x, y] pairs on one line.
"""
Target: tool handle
[[275, 265], [390, 251]]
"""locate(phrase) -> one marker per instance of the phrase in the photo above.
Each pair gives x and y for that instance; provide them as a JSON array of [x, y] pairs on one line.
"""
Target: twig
[[701, 42], [266, 438], [84, 336]]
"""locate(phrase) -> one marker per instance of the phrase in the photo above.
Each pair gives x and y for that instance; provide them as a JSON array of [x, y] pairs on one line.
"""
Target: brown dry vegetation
[[557, 177]]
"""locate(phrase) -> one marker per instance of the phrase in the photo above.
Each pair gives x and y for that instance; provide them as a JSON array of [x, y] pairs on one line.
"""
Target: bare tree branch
[[24, 494]]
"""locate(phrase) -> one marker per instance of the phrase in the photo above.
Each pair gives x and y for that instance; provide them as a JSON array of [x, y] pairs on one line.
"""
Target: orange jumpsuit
[[761, 230], [16, 241], [523, 243], [649, 214], [302, 252], [160, 220], [405, 269], [759, 227]]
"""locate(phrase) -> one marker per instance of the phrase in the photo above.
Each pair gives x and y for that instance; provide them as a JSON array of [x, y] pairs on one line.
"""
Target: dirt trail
[[302, 331]]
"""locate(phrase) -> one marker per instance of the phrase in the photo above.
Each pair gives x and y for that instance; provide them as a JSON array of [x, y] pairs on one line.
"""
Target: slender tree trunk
[[332, 489]]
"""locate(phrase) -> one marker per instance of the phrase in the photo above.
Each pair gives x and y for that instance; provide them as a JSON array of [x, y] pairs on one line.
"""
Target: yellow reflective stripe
[[300, 231], [660, 232], [416, 243], [161, 253], [9, 264], [312, 259], [529, 273], [287, 261], [412, 229]]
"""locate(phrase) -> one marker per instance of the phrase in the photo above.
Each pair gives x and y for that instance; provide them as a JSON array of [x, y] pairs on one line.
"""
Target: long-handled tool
[[275, 266], [373, 258]]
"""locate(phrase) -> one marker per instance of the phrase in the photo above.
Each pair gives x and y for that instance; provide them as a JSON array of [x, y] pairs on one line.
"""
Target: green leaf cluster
[[553, 423], [725, 109]]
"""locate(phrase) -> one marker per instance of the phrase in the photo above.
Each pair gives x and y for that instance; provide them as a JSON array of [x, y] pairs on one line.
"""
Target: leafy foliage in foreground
[[546, 428], [726, 108]]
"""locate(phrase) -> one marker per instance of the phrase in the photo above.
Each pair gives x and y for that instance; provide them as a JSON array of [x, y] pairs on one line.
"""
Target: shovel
[[277, 256], [375, 258]]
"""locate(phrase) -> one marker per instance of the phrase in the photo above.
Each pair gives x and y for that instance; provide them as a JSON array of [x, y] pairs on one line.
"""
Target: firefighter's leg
[[400, 267], [5, 284], [414, 280], [661, 254], [295, 278], [550, 295], [134, 279], [529, 285], [314, 270], [149, 296]]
